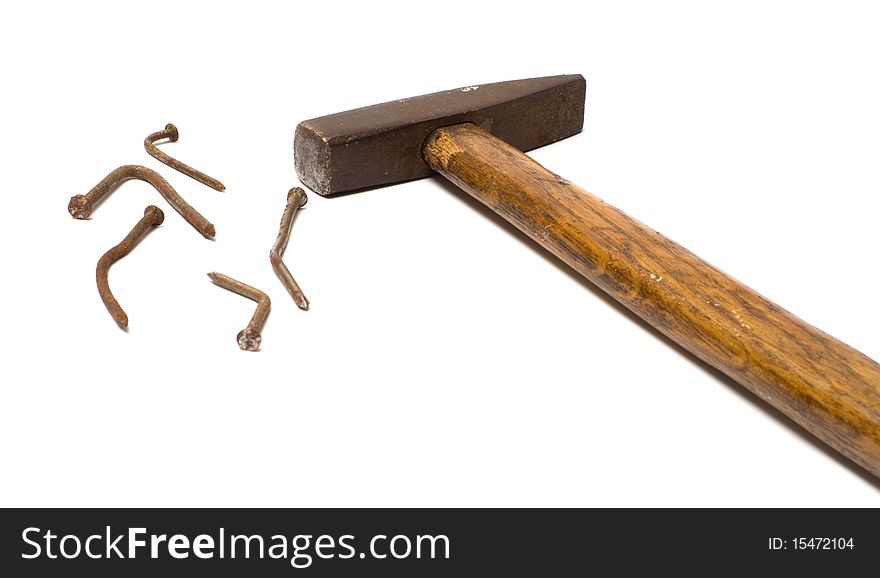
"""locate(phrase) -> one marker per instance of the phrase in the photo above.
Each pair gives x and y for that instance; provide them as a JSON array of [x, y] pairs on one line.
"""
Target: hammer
[[474, 136]]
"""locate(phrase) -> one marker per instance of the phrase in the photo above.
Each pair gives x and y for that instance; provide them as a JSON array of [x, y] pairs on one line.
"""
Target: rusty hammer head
[[382, 144]]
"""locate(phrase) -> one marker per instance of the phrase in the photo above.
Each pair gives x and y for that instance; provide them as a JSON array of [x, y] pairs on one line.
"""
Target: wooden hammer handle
[[824, 385]]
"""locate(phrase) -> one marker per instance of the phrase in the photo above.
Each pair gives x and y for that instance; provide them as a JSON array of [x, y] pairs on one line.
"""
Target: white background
[[446, 360]]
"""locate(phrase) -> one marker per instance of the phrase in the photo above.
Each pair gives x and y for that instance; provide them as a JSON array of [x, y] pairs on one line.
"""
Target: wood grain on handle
[[824, 385]]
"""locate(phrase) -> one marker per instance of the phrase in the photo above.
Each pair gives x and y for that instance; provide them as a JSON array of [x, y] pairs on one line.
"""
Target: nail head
[[174, 134], [249, 340], [79, 207]]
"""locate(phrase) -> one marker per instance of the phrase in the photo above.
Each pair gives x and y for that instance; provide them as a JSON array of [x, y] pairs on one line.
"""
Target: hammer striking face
[[827, 387], [382, 144]]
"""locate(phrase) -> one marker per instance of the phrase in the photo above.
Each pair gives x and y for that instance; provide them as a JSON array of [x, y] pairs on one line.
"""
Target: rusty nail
[[81, 206], [153, 217], [171, 134], [248, 338], [296, 198]]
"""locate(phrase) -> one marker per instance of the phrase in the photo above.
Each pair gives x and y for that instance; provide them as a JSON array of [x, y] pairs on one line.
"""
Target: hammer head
[[382, 144]]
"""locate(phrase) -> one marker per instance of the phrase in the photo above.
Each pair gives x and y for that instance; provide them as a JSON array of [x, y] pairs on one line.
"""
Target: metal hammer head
[[382, 144]]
